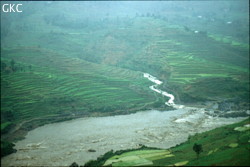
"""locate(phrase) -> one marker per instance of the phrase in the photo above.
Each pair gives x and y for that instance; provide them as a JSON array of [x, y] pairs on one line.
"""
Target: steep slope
[[59, 61], [197, 64], [43, 83]]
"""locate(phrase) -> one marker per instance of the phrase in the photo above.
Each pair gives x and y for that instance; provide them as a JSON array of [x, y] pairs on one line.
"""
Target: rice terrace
[[125, 83]]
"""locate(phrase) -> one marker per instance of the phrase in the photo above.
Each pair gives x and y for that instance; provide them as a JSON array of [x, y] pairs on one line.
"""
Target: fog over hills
[[62, 60]]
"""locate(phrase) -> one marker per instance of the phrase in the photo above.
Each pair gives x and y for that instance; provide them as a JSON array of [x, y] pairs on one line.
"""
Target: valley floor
[[85, 139]]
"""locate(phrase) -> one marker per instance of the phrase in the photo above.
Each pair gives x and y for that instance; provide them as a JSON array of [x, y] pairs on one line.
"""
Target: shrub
[[7, 148]]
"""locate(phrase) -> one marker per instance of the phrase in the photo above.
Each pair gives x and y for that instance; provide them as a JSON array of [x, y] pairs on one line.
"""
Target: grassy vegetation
[[186, 61], [202, 68], [137, 158], [69, 63], [5, 126], [7, 148], [57, 84], [225, 146]]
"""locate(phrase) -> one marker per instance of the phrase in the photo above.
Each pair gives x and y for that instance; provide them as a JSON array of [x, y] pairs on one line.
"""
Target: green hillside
[[51, 84], [225, 146], [60, 61]]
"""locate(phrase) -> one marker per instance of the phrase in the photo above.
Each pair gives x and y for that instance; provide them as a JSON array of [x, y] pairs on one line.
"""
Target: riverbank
[[75, 138], [19, 131], [224, 146]]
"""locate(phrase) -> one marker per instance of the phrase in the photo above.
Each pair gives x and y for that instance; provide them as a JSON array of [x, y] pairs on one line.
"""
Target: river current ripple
[[157, 82], [60, 144]]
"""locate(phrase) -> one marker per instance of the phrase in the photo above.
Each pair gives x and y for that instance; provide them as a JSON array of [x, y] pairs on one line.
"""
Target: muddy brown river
[[60, 144]]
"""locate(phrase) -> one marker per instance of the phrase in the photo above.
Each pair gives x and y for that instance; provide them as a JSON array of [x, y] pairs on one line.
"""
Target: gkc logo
[[11, 8]]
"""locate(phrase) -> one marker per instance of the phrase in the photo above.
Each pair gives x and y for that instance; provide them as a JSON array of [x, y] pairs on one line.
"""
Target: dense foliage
[[7, 148]]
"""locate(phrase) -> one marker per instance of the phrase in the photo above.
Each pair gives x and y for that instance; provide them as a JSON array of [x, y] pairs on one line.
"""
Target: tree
[[30, 67], [12, 64], [3, 66], [7, 148], [74, 164], [198, 149], [7, 115]]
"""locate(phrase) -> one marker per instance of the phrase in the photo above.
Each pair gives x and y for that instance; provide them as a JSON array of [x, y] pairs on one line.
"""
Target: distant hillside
[[63, 60], [198, 64], [43, 84]]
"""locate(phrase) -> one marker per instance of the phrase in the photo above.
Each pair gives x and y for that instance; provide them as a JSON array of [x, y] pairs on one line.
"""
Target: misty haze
[[125, 83]]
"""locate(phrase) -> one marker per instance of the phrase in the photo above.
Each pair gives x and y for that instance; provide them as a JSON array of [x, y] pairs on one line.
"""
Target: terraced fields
[[197, 63], [80, 66], [189, 62], [60, 85], [228, 145], [137, 158]]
